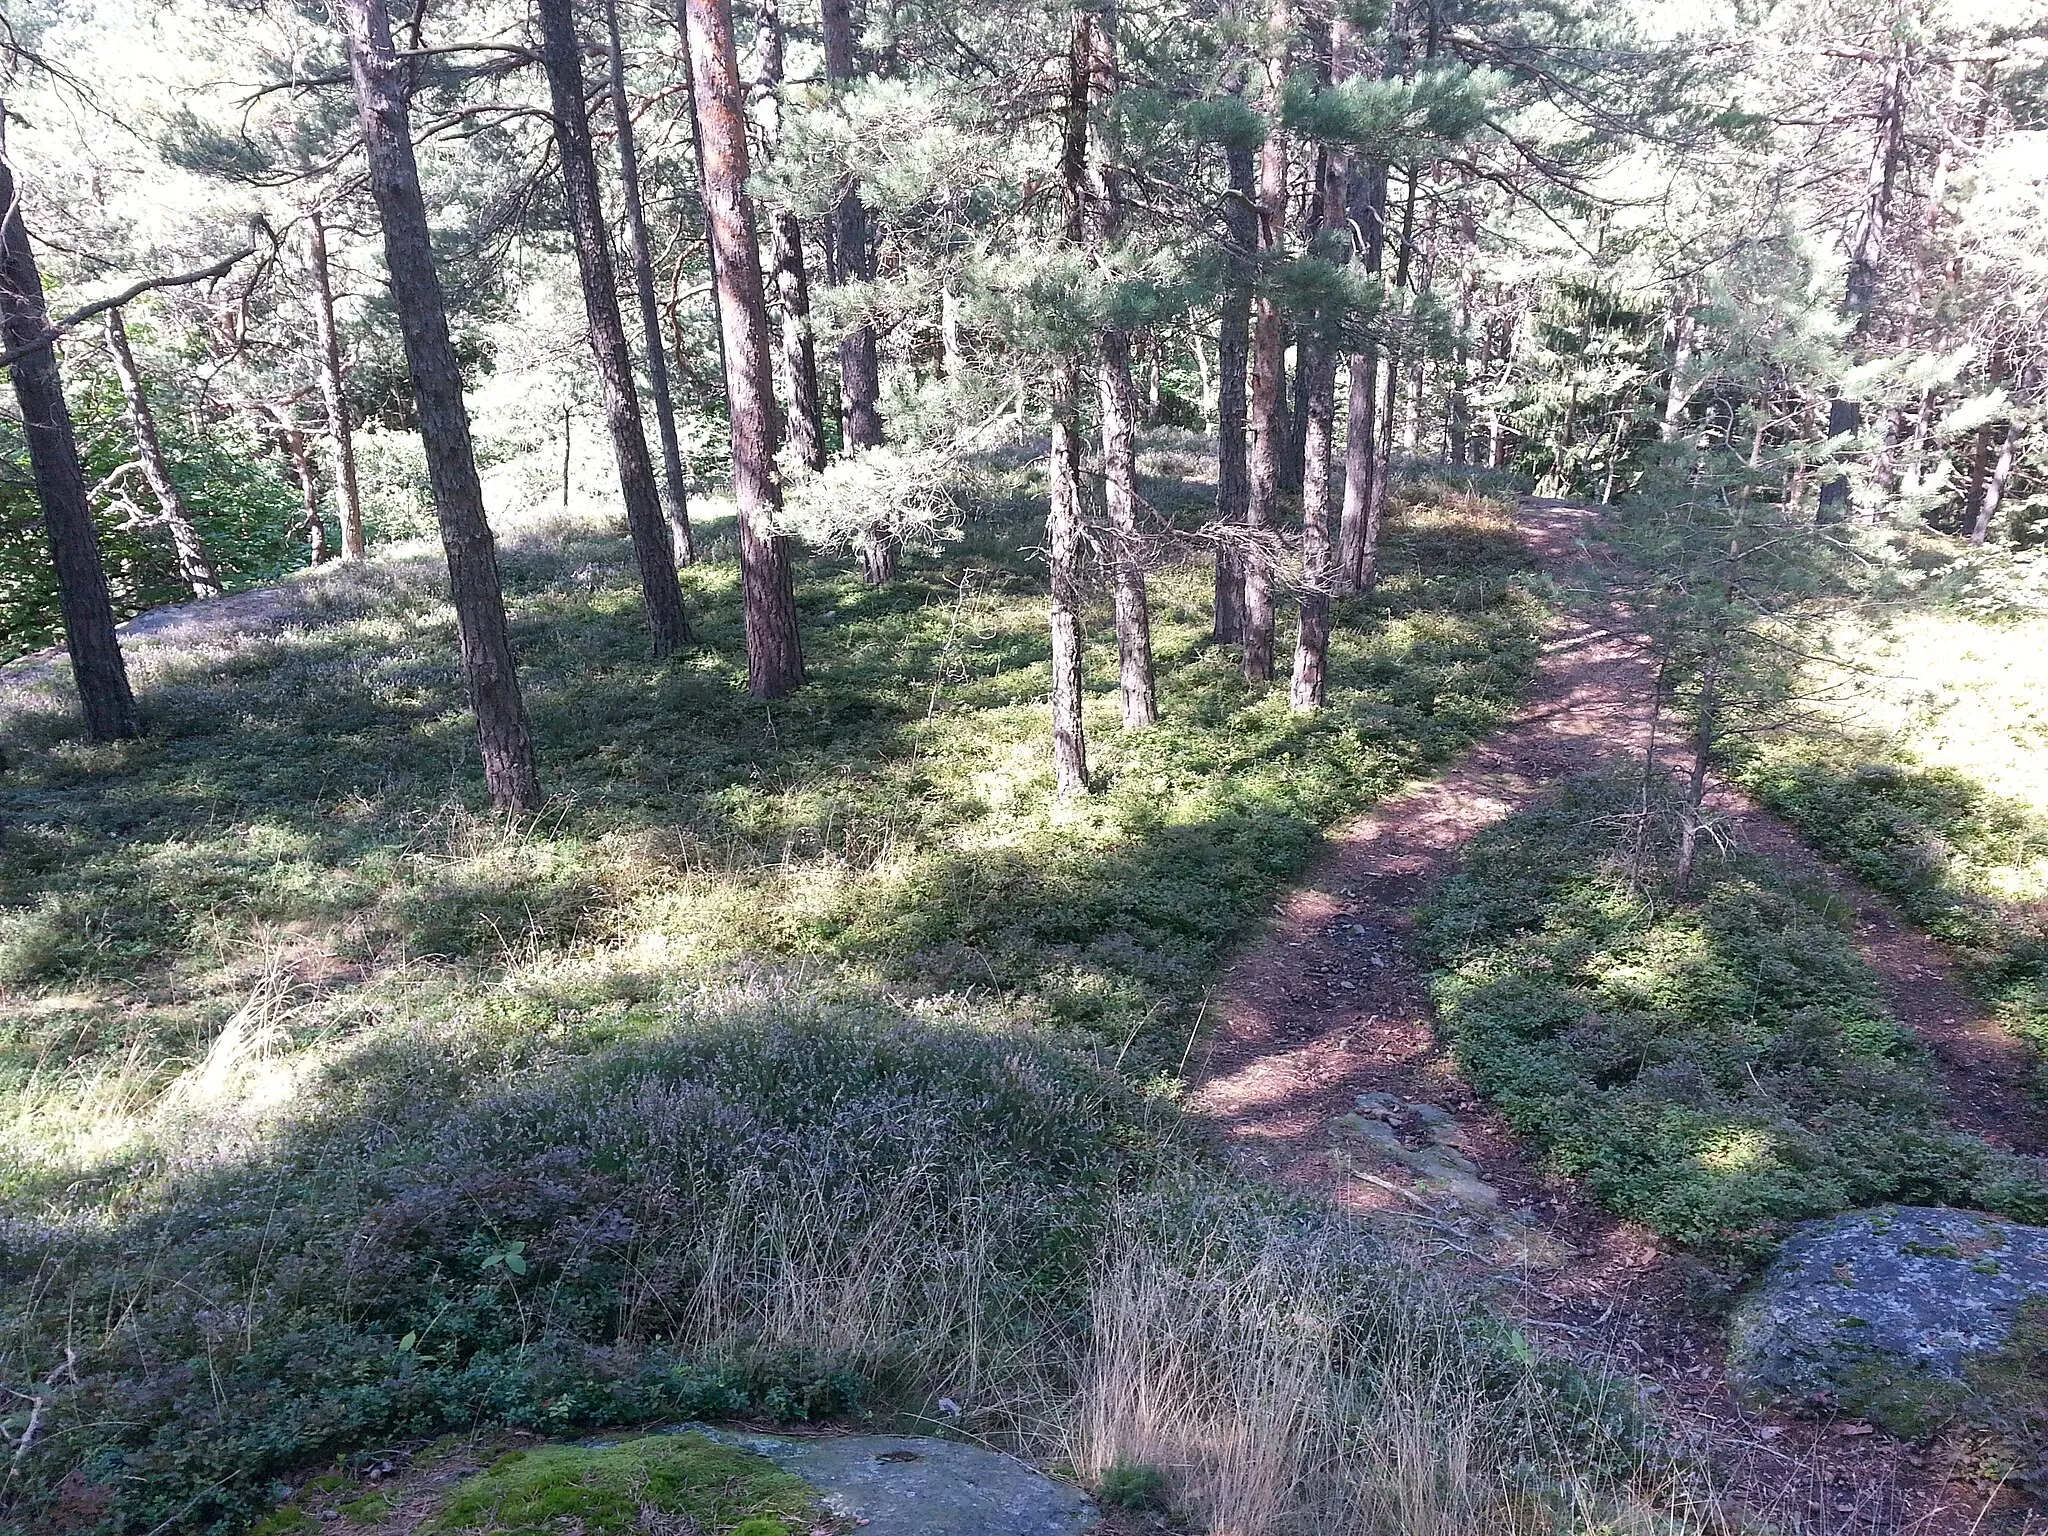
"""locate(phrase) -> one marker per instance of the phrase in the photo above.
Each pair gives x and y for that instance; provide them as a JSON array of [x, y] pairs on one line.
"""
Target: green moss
[[367, 1510], [604, 1491], [289, 1521]]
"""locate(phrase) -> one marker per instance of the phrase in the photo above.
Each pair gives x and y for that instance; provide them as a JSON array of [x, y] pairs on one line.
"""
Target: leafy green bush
[[1716, 1069]]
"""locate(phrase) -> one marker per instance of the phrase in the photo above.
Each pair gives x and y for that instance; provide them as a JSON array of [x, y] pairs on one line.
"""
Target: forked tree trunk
[[860, 369], [293, 441], [1233, 486], [653, 543], [473, 581], [1991, 495], [1269, 376], [82, 598], [1118, 398], [675, 485], [334, 395], [775, 658], [804, 421], [195, 565]]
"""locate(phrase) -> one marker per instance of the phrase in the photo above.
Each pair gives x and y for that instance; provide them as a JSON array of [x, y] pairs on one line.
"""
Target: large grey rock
[[916, 1486], [1905, 1315]]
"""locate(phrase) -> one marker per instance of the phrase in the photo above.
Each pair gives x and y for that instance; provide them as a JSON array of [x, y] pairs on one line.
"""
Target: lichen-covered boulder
[[1907, 1316]]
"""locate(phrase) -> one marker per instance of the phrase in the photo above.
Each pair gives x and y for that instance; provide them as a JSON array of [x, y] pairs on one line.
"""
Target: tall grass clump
[[1258, 1367]]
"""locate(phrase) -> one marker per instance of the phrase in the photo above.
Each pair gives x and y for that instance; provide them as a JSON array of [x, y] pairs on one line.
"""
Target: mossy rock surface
[[617, 1490], [1913, 1317]]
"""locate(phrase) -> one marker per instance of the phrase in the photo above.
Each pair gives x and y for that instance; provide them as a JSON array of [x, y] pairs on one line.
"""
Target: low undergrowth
[[1968, 864], [798, 1061], [1926, 773], [1716, 1068]]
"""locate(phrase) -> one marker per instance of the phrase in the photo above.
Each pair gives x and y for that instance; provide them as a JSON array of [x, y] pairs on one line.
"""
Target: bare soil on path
[[1328, 1004]]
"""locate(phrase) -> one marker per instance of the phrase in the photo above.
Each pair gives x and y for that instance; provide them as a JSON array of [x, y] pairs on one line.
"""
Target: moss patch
[[613, 1490]]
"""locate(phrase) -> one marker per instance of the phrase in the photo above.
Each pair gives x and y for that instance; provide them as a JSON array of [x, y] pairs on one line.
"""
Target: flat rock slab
[[1906, 1315], [916, 1486]]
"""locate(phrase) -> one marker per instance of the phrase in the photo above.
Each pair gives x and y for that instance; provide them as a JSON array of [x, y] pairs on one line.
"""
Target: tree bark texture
[[1118, 404], [775, 660], [1233, 485], [312, 523], [675, 484], [82, 597], [334, 395], [1268, 365], [1064, 499], [1359, 527], [653, 544], [804, 421], [195, 565], [474, 585], [1308, 687]]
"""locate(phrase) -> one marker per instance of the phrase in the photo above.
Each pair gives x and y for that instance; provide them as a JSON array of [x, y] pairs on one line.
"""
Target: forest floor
[[1330, 1003]]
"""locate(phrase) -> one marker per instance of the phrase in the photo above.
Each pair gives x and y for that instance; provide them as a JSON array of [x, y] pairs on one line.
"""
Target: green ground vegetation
[[1928, 778], [1716, 1068], [800, 1060]]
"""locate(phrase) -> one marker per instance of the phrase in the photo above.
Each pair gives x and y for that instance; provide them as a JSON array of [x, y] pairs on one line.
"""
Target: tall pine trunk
[[804, 421], [1063, 501], [1118, 399], [1269, 374], [860, 369], [653, 545], [775, 659], [675, 485], [195, 565], [1308, 687], [334, 395], [1233, 352], [1359, 527], [82, 597], [474, 586]]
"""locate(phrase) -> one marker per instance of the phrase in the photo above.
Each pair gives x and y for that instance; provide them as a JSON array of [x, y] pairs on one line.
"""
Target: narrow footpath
[[1329, 1006]]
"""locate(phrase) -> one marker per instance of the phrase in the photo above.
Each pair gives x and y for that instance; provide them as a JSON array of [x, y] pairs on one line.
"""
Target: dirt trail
[[1328, 1004]]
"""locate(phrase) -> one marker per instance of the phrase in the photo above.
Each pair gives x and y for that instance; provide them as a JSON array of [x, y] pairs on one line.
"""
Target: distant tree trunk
[[1458, 405], [653, 546], [1359, 528], [195, 565], [675, 485], [775, 660], [860, 369], [1866, 260], [333, 393], [1991, 495], [1269, 377], [1692, 816], [1233, 485], [1678, 393], [1312, 646], [314, 526], [1118, 399], [474, 586], [805, 418], [88, 610]]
